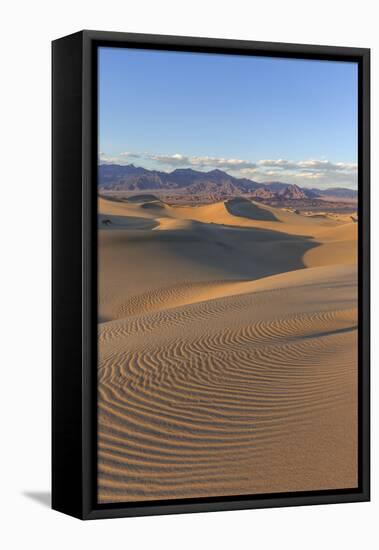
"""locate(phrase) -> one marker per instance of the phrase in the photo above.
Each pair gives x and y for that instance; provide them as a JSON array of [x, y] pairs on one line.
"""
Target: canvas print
[[227, 275]]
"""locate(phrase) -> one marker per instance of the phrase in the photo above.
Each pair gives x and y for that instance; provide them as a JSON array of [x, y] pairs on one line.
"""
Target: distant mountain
[[340, 192], [263, 193], [212, 183], [213, 188], [291, 191], [275, 186], [132, 178], [110, 173]]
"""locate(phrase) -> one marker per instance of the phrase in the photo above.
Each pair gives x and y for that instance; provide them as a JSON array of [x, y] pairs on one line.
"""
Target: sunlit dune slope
[[337, 245]]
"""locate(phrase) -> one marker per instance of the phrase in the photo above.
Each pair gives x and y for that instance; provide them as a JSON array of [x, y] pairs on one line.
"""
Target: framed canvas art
[[210, 274]]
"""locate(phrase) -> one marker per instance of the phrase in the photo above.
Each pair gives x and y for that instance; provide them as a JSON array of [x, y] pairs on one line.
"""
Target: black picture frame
[[74, 332]]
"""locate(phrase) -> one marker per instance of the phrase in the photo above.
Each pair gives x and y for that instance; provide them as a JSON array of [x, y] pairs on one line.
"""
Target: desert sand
[[227, 350]]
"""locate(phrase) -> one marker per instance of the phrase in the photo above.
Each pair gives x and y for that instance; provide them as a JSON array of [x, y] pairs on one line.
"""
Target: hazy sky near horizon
[[257, 117]]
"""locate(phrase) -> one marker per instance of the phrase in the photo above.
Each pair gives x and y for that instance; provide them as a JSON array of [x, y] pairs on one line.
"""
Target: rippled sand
[[227, 351]]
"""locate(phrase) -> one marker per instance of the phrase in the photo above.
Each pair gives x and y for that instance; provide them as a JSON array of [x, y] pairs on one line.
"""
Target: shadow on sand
[[243, 208]]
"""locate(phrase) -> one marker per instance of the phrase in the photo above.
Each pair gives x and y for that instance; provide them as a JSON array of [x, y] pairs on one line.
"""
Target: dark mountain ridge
[[215, 182]]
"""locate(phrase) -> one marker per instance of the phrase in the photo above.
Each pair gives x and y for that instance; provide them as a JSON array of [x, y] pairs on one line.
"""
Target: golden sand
[[227, 351]]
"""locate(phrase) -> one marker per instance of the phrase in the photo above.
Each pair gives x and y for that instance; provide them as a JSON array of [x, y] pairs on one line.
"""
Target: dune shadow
[[244, 208], [125, 222], [111, 198], [42, 497], [145, 198], [232, 252], [329, 333], [153, 205]]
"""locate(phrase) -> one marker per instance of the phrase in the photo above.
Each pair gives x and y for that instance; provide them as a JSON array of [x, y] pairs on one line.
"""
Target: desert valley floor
[[227, 350]]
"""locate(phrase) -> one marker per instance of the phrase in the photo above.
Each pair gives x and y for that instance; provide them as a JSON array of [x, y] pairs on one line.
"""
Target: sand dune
[[337, 245], [232, 213], [227, 351]]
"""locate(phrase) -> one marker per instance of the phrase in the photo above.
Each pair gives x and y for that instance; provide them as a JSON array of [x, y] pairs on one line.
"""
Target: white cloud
[[201, 162], [170, 160], [222, 163], [323, 165], [121, 158], [310, 164], [279, 163], [106, 159], [309, 172], [128, 154]]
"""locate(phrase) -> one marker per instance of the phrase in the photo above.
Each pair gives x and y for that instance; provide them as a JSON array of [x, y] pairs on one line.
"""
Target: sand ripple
[[226, 395]]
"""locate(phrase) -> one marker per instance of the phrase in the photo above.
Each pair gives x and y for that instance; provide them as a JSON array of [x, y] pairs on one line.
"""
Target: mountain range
[[215, 182]]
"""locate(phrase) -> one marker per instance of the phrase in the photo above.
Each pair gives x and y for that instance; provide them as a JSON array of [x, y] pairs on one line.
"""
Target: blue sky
[[257, 117]]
